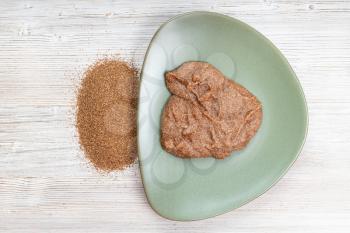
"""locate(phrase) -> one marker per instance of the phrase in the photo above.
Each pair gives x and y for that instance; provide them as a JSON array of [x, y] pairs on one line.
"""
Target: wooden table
[[46, 184]]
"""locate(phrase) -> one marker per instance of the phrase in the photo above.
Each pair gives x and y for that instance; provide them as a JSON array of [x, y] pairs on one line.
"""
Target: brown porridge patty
[[207, 114]]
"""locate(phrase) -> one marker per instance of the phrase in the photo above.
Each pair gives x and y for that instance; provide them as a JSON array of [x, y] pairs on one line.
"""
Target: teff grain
[[106, 114]]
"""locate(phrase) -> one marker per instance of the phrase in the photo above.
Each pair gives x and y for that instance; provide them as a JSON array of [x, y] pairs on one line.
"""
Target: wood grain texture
[[47, 186]]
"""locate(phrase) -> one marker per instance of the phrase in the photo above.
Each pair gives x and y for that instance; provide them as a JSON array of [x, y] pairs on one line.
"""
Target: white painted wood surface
[[47, 186]]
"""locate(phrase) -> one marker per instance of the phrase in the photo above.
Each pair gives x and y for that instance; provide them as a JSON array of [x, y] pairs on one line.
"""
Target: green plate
[[185, 189]]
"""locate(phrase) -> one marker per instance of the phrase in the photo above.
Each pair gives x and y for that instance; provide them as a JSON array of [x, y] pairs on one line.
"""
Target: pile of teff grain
[[106, 114]]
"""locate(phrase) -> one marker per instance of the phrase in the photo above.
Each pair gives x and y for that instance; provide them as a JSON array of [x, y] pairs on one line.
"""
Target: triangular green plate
[[184, 189]]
